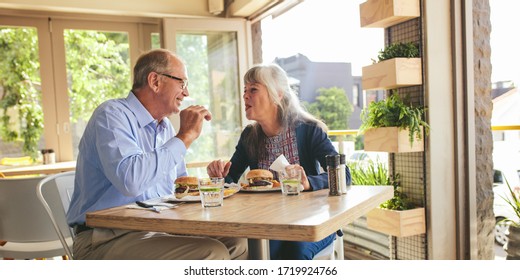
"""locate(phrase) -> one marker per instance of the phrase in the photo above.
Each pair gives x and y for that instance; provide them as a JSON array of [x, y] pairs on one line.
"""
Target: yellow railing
[[505, 127], [343, 132], [355, 131]]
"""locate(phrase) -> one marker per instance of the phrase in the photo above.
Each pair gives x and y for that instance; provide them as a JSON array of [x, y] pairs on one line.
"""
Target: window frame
[[53, 73], [171, 26]]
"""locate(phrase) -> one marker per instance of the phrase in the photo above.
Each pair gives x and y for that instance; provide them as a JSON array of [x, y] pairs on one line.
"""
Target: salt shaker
[[48, 156], [342, 170], [333, 173], [51, 156]]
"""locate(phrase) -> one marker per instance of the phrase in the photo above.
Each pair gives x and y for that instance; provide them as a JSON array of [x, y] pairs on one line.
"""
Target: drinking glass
[[291, 181], [211, 192]]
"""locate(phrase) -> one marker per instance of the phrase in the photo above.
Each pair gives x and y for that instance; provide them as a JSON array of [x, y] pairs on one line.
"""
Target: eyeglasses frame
[[184, 81]]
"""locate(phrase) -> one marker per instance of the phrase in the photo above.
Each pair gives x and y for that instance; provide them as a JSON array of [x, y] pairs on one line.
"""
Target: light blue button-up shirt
[[124, 155]]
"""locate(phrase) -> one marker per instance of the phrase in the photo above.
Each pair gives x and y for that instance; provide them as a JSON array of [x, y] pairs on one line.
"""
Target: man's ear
[[153, 81]]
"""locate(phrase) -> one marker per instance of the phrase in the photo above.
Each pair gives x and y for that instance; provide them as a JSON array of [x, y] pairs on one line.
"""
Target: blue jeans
[[295, 250]]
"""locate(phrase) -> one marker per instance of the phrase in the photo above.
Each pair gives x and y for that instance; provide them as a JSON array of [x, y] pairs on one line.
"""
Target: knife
[[146, 205]]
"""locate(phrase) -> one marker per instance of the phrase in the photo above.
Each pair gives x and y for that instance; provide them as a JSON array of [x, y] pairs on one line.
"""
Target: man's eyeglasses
[[184, 82]]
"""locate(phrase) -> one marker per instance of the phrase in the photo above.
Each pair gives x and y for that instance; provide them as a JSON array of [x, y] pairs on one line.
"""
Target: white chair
[[24, 224], [63, 185], [334, 251]]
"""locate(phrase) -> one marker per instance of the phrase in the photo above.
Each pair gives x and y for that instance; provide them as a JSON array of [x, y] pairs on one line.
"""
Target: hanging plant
[[407, 50], [400, 200], [393, 112]]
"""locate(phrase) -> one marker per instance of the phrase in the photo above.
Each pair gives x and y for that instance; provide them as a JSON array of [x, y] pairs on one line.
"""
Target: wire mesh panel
[[406, 32], [410, 166], [409, 248]]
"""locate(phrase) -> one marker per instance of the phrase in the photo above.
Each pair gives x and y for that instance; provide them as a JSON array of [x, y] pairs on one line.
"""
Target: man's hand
[[191, 123]]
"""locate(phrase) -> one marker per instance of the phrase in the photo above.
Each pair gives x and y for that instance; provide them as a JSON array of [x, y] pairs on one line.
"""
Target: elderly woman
[[281, 126]]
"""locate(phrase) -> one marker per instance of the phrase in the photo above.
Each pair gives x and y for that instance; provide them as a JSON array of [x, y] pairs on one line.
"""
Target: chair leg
[[339, 248]]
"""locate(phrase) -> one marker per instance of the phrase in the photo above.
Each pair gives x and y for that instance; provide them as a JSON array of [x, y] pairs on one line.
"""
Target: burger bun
[[186, 185], [259, 173]]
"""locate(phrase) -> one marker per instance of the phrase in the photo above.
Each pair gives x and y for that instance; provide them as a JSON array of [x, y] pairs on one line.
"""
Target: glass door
[[55, 71], [25, 85], [216, 57], [93, 64]]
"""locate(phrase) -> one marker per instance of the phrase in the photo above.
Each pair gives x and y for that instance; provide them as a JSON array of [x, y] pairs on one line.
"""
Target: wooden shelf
[[391, 140], [392, 73], [397, 223], [385, 13]]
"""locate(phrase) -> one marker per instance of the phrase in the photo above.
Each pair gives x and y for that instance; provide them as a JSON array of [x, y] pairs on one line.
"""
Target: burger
[[186, 185], [260, 178]]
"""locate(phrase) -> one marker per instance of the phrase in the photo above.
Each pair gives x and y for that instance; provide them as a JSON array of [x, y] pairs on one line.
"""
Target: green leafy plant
[[371, 174], [400, 200], [393, 112], [514, 202], [376, 174], [408, 50]]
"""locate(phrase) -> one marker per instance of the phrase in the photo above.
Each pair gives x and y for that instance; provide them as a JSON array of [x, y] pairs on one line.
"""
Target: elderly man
[[129, 152]]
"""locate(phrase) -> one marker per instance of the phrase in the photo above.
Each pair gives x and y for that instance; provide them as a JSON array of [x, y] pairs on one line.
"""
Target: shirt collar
[[144, 117]]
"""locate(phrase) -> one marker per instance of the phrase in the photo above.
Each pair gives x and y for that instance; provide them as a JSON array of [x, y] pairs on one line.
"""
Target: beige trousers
[[108, 244]]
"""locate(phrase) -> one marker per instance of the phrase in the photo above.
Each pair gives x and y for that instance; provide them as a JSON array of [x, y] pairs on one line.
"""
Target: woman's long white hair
[[274, 78], [290, 111]]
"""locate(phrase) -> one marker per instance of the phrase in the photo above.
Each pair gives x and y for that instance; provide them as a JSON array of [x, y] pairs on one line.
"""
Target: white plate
[[191, 198], [261, 189]]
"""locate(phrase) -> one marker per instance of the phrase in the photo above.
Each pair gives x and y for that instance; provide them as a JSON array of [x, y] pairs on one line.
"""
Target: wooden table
[[40, 169], [311, 216]]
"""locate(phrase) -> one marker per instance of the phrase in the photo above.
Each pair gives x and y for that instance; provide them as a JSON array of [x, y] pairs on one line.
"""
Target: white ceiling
[[251, 9]]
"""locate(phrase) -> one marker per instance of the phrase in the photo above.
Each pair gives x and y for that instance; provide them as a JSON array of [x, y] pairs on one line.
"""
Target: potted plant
[[512, 247], [389, 125], [398, 216], [384, 13], [398, 65]]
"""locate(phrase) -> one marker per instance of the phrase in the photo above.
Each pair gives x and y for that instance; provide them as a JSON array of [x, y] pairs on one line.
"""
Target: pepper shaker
[[333, 173]]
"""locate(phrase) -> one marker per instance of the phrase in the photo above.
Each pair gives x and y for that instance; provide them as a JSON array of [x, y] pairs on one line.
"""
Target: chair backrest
[[63, 185], [22, 217]]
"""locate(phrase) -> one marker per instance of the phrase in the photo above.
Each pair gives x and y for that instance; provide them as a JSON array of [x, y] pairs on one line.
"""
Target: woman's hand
[[303, 180], [218, 168]]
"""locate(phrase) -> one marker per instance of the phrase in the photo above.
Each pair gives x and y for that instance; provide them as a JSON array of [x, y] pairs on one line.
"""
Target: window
[[211, 51], [73, 84], [498, 178], [21, 87], [105, 74], [355, 95], [214, 53], [61, 85]]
